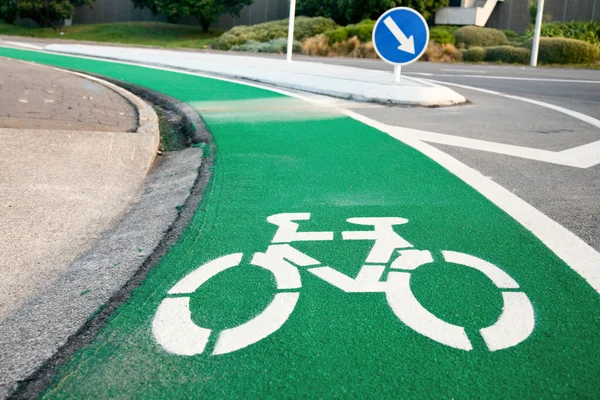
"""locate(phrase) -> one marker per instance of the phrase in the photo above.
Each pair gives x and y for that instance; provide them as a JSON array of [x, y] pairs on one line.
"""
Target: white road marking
[[509, 78], [571, 113], [174, 329], [577, 254], [500, 278], [386, 240], [407, 308], [585, 156], [287, 230], [515, 324], [259, 327], [472, 71], [191, 282]]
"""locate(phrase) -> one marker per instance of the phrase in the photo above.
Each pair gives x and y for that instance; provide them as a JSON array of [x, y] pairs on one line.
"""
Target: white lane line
[[509, 78], [585, 156], [577, 254], [571, 113], [468, 71]]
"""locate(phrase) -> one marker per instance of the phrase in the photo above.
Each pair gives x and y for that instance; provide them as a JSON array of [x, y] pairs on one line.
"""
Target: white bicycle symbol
[[175, 331]]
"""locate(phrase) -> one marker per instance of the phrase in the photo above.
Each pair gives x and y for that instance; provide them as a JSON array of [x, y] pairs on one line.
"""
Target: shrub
[[366, 50], [363, 31], [441, 36], [476, 36], [316, 46], [565, 51], [304, 27], [320, 46], [346, 48], [272, 46], [474, 54], [441, 53], [588, 31], [337, 35], [507, 54]]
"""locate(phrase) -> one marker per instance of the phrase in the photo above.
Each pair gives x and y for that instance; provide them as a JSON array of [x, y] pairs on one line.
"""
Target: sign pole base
[[397, 73]]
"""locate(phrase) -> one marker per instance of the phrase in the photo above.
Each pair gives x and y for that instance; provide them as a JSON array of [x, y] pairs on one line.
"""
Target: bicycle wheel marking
[[173, 328]]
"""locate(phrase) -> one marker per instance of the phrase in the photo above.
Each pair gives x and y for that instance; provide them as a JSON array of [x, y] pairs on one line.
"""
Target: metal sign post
[[538, 30], [397, 73], [290, 45]]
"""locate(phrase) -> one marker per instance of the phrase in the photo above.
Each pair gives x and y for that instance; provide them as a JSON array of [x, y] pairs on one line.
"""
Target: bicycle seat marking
[[175, 332]]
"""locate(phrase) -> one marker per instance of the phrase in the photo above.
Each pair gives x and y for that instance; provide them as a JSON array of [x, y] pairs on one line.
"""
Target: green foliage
[[272, 46], [205, 11], [565, 51], [337, 35], [47, 13], [507, 54], [353, 11], [476, 36], [474, 54], [588, 31], [441, 35], [304, 27], [144, 33], [363, 31]]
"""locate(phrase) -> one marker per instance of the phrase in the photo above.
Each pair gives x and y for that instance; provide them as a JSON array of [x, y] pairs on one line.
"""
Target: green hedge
[[565, 51], [474, 54], [475, 36], [507, 54], [441, 35], [304, 27], [272, 46], [363, 31]]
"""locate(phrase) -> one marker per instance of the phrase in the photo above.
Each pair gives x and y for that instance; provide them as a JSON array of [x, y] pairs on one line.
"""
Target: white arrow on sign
[[406, 44]]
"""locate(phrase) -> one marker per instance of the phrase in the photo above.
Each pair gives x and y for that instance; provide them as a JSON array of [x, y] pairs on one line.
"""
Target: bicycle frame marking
[[175, 331]]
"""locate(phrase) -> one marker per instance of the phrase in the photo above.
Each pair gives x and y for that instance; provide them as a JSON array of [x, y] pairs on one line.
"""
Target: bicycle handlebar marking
[[175, 331]]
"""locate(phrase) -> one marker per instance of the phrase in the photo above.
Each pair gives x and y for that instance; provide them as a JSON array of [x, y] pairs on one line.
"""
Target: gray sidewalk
[[72, 160]]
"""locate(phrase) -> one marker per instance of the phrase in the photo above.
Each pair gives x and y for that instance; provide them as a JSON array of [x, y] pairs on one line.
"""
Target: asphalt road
[[577, 89]]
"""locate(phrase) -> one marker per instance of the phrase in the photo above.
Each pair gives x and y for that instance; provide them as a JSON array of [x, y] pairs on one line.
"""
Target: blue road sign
[[400, 36]]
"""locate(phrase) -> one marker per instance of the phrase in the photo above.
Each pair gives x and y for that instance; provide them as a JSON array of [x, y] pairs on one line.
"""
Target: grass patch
[[140, 33]]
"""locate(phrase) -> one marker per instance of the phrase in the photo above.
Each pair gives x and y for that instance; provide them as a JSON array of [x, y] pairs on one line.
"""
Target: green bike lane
[[337, 343]]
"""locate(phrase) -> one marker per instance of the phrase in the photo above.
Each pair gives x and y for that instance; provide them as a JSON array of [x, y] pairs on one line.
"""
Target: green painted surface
[[336, 344]]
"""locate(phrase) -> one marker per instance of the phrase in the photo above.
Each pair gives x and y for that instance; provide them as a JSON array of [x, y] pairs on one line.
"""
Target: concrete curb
[[332, 80], [47, 330], [147, 118]]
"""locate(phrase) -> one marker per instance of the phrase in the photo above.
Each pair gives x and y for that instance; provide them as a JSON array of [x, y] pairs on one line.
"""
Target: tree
[[45, 12], [205, 11], [352, 11]]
